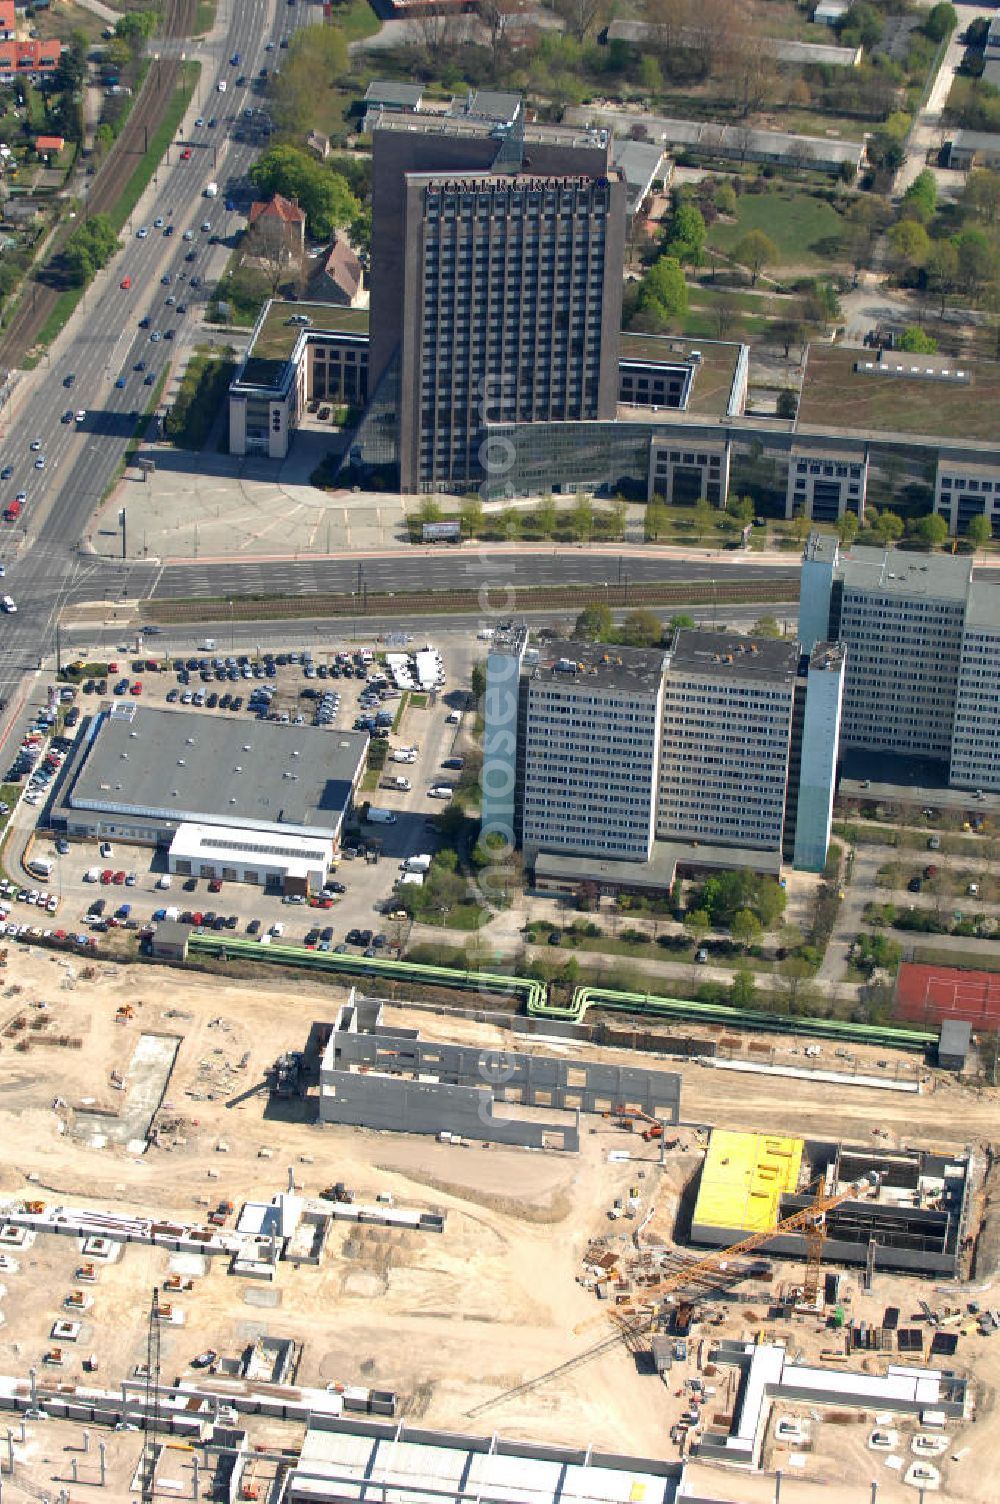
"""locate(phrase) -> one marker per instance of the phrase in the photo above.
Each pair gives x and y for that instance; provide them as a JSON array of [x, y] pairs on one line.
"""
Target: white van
[[92, 875], [164, 881], [208, 646]]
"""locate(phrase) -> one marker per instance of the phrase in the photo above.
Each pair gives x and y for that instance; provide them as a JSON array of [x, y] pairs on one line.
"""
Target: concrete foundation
[[377, 1077]]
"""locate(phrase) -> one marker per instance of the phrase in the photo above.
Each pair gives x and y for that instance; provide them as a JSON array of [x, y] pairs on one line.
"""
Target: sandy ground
[[449, 1322]]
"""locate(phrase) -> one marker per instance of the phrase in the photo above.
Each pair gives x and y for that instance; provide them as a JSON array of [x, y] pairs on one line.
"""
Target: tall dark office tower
[[497, 252]]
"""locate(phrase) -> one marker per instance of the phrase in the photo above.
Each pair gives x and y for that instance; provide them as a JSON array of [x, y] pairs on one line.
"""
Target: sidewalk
[[429, 934]]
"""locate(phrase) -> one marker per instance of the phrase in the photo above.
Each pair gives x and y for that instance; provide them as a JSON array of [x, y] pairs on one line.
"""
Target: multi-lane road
[[103, 349], [114, 364]]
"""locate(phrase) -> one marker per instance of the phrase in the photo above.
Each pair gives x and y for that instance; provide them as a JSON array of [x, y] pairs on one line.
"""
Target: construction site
[[208, 1289]]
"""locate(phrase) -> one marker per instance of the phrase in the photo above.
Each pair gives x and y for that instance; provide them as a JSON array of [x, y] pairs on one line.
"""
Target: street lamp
[[232, 629]]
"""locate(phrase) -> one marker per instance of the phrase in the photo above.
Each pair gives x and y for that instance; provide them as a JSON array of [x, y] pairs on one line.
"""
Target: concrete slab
[[148, 1074]]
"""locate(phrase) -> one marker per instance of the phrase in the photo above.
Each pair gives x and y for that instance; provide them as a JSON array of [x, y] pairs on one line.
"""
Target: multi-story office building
[[920, 634], [496, 283], [813, 765], [511, 309], [592, 718], [623, 764], [727, 721], [975, 745]]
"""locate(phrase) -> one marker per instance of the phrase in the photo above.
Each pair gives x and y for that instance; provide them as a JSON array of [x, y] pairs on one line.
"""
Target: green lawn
[[204, 17], [805, 229], [356, 19]]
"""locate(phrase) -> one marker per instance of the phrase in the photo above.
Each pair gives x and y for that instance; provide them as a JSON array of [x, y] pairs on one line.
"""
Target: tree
[[727, 314], [979, 531], [136, 28], [641, 629], [509, 523], [861, 26], [316, 58], [920, 199], [740, 508], [324, 196], [886, 153], [582, 518], [787, 404], [910, 244], [579, 16], [916, 342], [755, 251], [941, 268], [471, 517], [663, 291], [682, 622], [686, 237], [725, 199], [977, 261], [769, 900], [742, 989], [847, 529], [657, 521], [941, 21], [594, 624], [546, 516], [271, 254], [650, 74], [91, 246], [745, 929], [697, 923], [888, 528], [981, 195], [931, 530]]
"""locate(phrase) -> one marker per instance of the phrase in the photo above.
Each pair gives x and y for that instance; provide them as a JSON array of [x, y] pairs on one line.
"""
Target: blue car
[[123, 911], [159, 914], [120, 382], [230, 204]]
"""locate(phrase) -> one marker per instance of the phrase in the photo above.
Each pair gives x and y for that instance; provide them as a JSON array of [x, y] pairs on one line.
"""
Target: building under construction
[[914, 1223]]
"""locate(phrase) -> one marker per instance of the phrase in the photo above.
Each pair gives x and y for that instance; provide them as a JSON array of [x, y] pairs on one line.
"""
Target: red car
[[136, 688], [106, 876], [215, 886], [118, 879], [112, 668], [196, 917], [186, 154], [125, 284]]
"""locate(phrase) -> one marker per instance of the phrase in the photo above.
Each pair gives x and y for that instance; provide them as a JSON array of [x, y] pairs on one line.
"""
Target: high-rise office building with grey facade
[[496, 285], [720, 750], [922, 638]]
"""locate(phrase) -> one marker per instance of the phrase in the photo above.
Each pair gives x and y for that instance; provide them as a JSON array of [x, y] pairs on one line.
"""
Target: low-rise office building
[[233, 853], [220, 794], [298, 353]]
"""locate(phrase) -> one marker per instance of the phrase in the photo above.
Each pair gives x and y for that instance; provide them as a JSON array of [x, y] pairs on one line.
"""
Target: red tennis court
[[930, 994]]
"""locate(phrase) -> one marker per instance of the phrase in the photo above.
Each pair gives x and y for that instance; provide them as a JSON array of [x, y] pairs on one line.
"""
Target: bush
[[202, 391]]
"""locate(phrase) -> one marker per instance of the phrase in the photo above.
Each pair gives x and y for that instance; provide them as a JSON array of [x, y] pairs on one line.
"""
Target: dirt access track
[[157, 91]]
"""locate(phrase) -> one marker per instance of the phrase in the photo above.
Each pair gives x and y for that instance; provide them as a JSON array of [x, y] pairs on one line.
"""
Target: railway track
[[39, 299], [165, 612]]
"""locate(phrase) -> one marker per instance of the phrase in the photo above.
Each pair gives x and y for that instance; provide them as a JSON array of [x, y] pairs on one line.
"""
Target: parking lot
[[99, 887]]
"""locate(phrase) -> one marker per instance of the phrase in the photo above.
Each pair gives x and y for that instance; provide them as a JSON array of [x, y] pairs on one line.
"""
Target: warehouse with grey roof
[[254, 802]]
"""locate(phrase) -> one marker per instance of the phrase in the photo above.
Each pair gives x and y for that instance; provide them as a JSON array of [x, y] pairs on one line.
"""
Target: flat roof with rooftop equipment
[[152, 770]]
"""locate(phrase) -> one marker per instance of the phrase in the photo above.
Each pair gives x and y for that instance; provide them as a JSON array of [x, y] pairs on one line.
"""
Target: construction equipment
[[632, 1330], [124, 1013], [151, 1408]]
